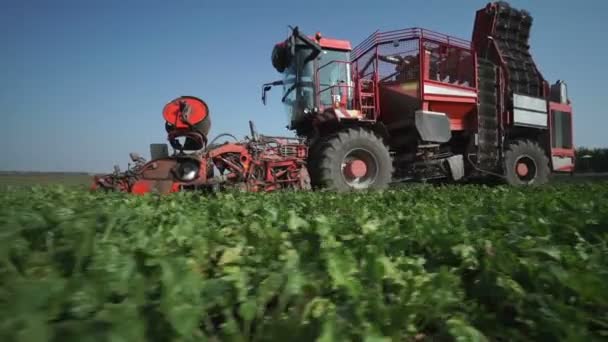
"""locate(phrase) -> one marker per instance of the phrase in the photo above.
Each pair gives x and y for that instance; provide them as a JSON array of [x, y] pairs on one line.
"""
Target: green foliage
[[422, 263]]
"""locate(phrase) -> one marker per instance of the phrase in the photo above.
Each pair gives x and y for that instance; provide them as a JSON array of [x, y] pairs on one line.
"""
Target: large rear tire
[[314, 157], [526, 164], [352, 159]]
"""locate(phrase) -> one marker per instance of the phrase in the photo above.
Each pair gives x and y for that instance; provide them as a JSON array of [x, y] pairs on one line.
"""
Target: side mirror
[[266, 87]]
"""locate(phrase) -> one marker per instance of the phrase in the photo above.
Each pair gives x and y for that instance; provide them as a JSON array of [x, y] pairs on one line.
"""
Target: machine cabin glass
[[334, 82], [322, 81], [561, 129], [298, 95]]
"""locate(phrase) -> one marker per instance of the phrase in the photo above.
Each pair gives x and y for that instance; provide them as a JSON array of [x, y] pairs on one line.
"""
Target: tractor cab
[[316, 75]]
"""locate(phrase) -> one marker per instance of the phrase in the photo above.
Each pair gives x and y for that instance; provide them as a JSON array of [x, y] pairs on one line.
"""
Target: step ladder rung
[[367, 97]]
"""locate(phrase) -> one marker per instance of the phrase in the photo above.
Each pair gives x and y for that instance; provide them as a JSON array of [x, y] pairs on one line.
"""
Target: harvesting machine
[[258, 163], [414, 104], [408, 104]]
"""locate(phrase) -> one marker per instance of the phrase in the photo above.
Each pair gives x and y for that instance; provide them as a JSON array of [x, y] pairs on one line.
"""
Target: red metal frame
[[562, 152], [343, 99], [282, 163], [261, 164], [197, 112], [450, 103], [333, 44], [377, 39]]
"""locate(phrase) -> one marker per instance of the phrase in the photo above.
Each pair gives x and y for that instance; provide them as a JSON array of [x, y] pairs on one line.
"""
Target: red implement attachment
[[185, 111], [265, 164], [260, 163]]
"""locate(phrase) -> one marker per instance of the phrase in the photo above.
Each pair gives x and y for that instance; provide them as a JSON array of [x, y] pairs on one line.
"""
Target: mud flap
[[456, 166]]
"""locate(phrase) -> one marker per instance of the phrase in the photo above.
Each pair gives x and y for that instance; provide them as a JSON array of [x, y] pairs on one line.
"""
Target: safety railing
[[377, 38]]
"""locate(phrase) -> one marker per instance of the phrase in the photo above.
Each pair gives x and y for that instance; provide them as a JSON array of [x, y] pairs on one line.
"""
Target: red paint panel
[[567, 168], [447, 98], [567, 108], [562, 107], [562, 152], [140, 187], [449, 85], [336, 44], [460, 114], [173, 115], [327, 43], [227, 148]]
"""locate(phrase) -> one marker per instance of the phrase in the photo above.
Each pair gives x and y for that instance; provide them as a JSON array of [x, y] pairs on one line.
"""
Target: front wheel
[[353, 159], [526, 164]]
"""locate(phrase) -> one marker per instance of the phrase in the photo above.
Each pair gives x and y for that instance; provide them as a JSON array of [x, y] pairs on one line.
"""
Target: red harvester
[[408, 104], [413, 104]]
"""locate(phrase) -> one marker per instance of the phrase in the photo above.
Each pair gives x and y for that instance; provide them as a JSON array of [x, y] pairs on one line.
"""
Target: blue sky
[[83, 83]]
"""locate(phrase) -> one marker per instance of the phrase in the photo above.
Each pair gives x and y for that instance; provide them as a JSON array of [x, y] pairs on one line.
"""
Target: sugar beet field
[[423, 263]]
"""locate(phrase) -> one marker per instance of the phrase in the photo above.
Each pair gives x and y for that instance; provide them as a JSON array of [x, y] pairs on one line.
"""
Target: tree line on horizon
[[591, 159]]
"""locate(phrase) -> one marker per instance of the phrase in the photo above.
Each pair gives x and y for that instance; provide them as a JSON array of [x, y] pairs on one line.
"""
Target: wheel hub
[[525, 169], [355, 168], [359, 168], [522, 169]]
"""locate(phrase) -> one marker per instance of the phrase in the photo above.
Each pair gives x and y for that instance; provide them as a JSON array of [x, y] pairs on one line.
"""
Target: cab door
[[562, 146]]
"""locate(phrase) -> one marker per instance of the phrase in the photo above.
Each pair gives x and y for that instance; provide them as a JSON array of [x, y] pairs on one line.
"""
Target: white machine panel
[[559, 162], [529, 118], [529, 111]]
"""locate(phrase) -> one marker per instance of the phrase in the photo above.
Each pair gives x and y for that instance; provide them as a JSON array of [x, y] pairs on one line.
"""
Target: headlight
[[187, 170]]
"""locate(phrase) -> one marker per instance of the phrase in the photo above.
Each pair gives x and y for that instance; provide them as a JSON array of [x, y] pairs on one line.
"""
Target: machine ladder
[[366, 90]]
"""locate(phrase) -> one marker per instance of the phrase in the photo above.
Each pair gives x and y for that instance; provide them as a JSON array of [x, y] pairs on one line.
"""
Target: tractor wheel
[[526, 164], [312, 163], [353, 159]]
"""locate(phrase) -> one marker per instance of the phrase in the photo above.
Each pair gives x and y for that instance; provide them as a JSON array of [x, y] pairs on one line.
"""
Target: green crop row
[[424, 263]]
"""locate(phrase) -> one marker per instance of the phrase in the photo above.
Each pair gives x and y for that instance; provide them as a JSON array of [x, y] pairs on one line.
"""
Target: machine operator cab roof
[[311, 67], [383, 75], [281, 54]]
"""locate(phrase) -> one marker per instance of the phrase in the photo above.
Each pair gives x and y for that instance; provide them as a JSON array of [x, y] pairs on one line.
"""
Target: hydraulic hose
[[219, 136]]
